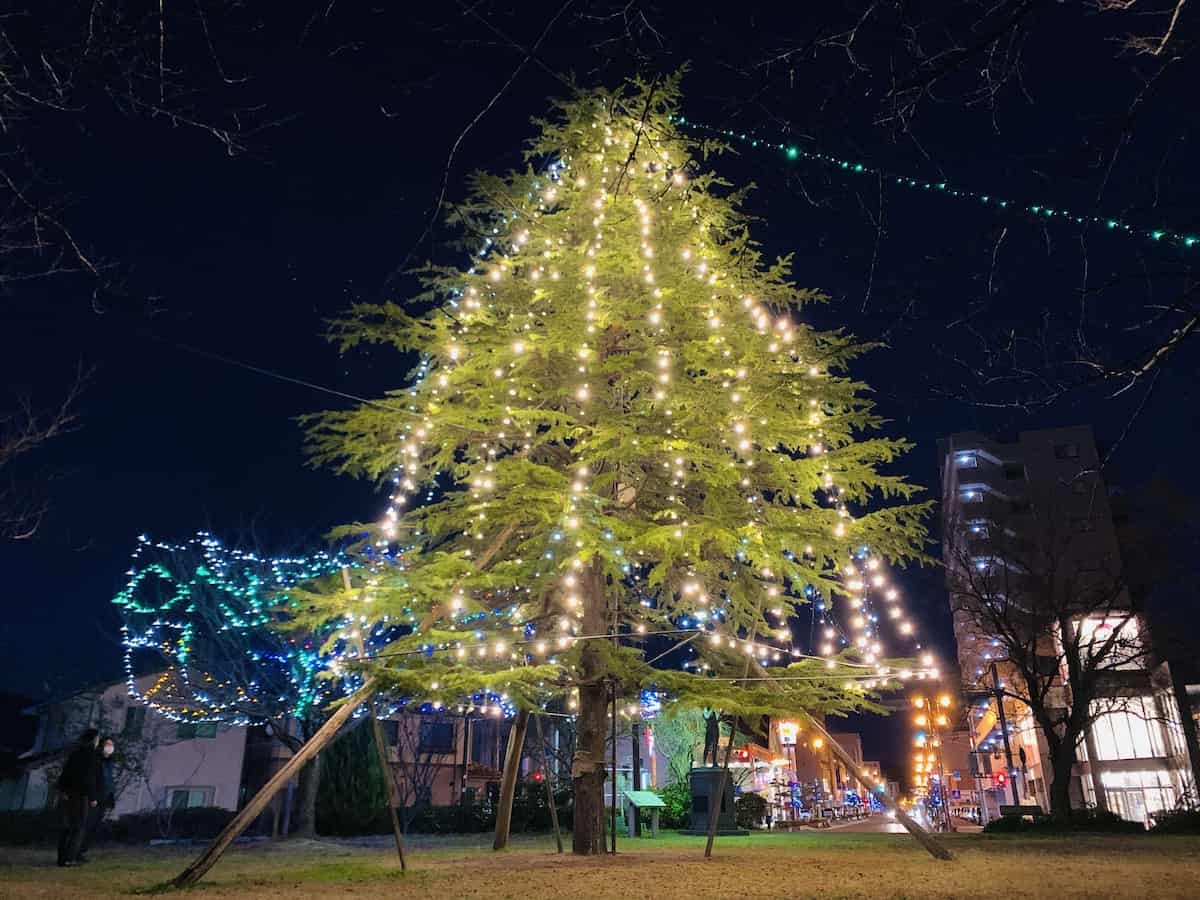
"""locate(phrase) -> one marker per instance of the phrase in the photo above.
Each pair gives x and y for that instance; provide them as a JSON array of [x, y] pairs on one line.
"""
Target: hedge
[[1092, 821], [41, 826], [1179, 821]]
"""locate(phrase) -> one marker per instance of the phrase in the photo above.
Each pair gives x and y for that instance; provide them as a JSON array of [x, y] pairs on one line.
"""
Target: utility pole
[[1008, 757], [933, 716]]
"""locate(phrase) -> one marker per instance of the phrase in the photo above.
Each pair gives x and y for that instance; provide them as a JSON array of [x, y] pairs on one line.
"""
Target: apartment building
[[1029, 517]]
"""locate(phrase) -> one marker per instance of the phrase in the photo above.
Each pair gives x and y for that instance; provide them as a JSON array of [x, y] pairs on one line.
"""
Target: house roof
[[98, 688]]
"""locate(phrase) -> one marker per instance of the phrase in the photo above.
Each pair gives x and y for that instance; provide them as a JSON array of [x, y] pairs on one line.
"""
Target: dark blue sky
[[245, 257]]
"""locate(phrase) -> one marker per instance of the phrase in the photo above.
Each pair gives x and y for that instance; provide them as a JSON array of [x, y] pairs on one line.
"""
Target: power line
[[270, 373]]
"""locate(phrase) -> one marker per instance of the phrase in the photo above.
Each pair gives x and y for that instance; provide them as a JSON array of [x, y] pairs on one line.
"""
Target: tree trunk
[[587, 771], [310, 780], [1061, 764], [508, 783], [285, 826], [587, 767]]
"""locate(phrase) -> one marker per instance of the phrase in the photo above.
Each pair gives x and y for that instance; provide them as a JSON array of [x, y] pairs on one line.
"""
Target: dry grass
[[774, 865]]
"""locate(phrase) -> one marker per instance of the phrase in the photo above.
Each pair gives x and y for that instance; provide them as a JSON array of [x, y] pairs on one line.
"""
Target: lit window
[[1119, 638], [967, 460], [1131, 731]]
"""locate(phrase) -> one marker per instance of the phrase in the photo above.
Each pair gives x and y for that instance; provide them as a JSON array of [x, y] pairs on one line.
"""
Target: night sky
[[244, 257]]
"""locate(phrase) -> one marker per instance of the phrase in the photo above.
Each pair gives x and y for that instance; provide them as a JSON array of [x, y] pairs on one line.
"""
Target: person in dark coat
[[80, 785], [108, 796]]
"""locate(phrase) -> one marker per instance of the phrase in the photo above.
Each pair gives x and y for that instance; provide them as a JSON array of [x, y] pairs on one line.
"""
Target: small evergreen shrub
[[750, 810], [678, 811]]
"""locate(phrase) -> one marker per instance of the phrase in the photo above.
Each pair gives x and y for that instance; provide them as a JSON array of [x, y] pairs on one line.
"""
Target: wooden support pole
[[389, 786], [714, 816], [259, 801], [714, 810], [935, 847], [635, 735], [537, 721], [508, 781], [381, 751], [613, 792]]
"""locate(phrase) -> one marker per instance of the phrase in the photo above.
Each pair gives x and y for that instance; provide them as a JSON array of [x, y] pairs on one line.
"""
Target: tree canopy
[[616, 427]]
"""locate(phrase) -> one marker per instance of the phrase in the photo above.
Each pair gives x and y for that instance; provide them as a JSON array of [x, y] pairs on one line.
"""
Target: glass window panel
[[1120, 726], [1104, 739], [1130, 733]]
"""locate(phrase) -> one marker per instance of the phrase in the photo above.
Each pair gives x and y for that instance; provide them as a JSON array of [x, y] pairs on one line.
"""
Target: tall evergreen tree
[[616, 426]]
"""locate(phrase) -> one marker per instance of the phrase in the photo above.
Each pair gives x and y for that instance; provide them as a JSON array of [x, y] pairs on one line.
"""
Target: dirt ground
[[761, 865]]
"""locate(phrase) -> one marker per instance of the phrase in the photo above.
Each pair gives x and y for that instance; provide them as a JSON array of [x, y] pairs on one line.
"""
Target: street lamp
[[819, 789], [936, 722]]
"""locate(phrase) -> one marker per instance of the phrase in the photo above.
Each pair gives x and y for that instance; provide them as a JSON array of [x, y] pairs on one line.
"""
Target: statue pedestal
[[705, 782]]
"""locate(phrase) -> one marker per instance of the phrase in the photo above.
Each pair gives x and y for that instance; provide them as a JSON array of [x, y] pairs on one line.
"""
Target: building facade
[[1032, 514], [438, 759], [160, 763]]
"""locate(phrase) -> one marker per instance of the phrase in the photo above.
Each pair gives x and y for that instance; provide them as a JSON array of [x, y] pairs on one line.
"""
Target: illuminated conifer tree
[[625, 427]]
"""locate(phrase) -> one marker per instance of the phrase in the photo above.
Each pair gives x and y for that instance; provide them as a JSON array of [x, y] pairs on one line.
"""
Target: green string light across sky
[[1038, 211]]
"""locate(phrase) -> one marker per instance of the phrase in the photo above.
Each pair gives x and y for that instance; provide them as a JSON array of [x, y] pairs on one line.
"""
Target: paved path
[[881, 824], [884, 824]]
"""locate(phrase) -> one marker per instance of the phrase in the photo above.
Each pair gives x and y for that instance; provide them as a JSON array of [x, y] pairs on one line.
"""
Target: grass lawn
[[761, 865]]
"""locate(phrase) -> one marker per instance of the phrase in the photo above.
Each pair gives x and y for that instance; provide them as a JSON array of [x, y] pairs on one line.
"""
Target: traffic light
[[1001, 779], [537, 776]]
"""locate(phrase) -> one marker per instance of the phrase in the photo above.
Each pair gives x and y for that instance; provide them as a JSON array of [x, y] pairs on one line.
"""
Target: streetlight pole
[[977, 771], [819, 792], [1008, 757]]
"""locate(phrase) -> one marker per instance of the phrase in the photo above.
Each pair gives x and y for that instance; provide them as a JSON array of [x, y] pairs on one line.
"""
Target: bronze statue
[[712, 735]]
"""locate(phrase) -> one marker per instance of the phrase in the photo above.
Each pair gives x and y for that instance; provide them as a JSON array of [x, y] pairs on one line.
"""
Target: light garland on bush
[[246, 588]]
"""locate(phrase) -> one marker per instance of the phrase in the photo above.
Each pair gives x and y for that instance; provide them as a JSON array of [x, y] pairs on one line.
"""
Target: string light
[[1040, 212], [202, 607], [604, 374]]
